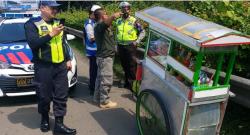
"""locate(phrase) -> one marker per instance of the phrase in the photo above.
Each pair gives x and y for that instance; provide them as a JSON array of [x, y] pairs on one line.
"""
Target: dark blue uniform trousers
[[52, 85], [92, 72]]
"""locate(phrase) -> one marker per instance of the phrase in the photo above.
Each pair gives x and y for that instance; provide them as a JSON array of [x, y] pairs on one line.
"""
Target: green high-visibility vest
[[125, 30], [53, 52]]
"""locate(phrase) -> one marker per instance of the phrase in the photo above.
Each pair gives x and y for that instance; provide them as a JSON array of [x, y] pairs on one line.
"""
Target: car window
[[12, 32]]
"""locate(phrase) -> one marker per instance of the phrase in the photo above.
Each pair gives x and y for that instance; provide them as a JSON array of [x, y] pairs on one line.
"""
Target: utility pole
[[68, 5]]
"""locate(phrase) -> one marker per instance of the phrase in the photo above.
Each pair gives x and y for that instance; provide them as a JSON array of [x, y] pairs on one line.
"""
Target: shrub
[[235, 15]]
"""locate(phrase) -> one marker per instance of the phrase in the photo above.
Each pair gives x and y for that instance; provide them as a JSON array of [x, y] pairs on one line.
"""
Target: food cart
[[177, 96]]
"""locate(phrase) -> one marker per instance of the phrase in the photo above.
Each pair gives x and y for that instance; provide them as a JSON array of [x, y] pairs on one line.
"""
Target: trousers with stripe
[[52, 86], [104, 79]]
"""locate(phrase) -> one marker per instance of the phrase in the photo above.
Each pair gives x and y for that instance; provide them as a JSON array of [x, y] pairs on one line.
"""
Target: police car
[[16, 68]]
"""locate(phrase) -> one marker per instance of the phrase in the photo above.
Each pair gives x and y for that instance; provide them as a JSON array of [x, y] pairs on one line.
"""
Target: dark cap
[[50, 3]]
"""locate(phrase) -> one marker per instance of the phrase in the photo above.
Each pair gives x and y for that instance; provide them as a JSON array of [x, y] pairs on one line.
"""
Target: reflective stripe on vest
[[125, 29], [90, 46], [54, 51]]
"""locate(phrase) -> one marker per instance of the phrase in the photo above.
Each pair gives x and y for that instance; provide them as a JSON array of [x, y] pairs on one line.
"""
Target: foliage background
[[234, 15]]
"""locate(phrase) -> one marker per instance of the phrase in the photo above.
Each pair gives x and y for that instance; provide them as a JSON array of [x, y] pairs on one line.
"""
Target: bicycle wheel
[[151, 114]]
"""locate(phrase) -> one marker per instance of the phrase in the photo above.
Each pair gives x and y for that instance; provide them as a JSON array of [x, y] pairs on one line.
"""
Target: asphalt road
[[19, 116]]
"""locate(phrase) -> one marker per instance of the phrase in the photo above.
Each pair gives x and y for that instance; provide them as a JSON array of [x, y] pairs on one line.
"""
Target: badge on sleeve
[[44, 28]]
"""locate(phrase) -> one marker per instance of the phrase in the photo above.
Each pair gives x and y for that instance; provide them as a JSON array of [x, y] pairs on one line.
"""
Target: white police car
[[16, 69]]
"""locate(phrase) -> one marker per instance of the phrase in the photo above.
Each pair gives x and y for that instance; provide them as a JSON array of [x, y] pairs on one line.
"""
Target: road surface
[[18, 115]]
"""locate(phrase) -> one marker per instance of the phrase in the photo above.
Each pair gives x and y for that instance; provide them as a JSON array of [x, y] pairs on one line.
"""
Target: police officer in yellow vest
[[51, 62], [129, 33]]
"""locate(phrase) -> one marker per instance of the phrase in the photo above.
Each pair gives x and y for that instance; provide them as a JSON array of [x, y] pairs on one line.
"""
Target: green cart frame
[[177, 95]]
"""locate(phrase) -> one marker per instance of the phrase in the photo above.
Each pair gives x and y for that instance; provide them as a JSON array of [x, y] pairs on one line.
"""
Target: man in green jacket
[[104, 57]]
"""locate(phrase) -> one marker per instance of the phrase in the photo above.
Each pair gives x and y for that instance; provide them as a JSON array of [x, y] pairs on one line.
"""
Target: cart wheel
[[151, 114]]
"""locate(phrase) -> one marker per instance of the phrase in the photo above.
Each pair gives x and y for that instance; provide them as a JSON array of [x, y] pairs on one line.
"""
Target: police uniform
[[128, 31], [49, 58]]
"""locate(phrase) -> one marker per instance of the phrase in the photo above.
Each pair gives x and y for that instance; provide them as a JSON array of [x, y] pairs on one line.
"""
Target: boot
[[44, 126], [109, 104], [61, 129]]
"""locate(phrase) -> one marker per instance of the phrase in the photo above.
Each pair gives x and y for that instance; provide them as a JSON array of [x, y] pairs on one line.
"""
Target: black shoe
[[61, 129], [44, 126]]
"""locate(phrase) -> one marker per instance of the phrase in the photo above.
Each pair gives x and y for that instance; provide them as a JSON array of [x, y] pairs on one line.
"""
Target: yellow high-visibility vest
[[125, 30], [53, 52]]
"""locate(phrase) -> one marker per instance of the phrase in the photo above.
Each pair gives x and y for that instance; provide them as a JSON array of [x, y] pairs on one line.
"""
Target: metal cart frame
[[194, 109]]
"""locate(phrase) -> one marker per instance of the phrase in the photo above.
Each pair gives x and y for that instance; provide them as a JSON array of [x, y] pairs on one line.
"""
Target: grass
[[236, 120], [77, 43]]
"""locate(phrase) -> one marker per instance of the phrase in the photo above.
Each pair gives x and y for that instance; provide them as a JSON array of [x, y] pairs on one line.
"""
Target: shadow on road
[[27, 116], [17, 101], [118, 117], [129, 96], [81, 92]]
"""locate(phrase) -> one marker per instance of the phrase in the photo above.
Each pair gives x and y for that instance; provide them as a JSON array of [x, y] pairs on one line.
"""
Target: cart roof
[[189, 30]]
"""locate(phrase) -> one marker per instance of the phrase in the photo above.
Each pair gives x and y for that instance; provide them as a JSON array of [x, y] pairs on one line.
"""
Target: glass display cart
[[177, 96]]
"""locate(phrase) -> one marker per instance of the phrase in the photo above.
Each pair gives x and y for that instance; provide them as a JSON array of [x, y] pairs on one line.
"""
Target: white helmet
[[124, 4], [95, 7]]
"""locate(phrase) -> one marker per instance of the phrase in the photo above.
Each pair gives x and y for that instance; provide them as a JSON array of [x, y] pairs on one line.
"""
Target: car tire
[[72, 88]]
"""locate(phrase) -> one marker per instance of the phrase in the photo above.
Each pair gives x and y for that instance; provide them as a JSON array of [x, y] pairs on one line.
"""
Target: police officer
[[51, 62], [90, 44], [129, 34]]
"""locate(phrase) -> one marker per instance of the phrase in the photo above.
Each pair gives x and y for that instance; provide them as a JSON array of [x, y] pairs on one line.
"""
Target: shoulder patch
[[119, 21], [44, 28]]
